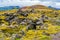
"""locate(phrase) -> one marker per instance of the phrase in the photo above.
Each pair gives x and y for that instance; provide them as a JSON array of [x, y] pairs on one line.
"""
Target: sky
[[53, 3]]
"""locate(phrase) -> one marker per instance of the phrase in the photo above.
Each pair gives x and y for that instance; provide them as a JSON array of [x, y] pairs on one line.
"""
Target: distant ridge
[[9, 8], [27, 7], [35, 6], [39, 7]]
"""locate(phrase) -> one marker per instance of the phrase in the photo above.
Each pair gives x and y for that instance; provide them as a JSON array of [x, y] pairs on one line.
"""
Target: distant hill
[[9, 7], [35, 6], [28, 7], [39, 7]]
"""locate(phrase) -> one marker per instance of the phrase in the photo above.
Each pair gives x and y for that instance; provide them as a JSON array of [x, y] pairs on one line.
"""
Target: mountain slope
[[36, 22], [38, 7]]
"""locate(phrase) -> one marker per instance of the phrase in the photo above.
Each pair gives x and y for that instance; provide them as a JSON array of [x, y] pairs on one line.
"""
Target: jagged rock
[[32, 25], [19, 20], [24, 14], [10, 18]]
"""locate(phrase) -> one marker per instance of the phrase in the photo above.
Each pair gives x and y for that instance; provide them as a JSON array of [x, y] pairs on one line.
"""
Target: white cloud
[[57, 5], [28, 3]]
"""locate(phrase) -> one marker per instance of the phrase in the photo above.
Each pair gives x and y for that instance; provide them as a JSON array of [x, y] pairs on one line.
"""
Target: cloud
[[53, 3], [57, 5]]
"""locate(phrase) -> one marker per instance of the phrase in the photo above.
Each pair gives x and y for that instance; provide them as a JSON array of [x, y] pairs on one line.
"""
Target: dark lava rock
[[32, 25], [29, 27], [19, 20], [25, 14]]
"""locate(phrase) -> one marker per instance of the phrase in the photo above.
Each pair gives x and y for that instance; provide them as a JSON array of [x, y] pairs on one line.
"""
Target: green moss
[[45, 38], [17, 38]]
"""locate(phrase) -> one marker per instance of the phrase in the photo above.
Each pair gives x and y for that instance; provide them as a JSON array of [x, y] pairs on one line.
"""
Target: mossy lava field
[[35, 22]]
